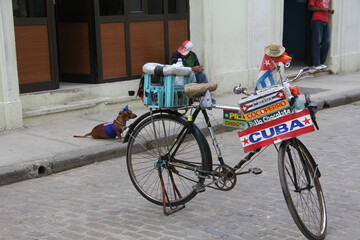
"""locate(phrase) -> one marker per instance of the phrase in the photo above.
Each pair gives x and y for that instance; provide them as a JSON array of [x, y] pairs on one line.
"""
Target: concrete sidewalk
[[39, 150]]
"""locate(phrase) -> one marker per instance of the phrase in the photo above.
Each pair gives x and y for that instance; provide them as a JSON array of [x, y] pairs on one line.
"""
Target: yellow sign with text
[[233, 119], [266, 110]]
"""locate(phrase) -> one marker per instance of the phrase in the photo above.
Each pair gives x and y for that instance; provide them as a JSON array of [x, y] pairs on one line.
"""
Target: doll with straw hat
[[277, 53]]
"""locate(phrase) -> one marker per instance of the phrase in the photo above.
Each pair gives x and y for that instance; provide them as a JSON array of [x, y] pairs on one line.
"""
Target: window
[[73, 11], [156, 6], [177, 6], [141, 7], [29, 8], [111, 7], [136, 6]]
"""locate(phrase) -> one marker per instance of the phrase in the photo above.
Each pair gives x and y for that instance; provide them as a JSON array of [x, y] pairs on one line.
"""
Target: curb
[[69, 160], [342, 99], [58, 163]]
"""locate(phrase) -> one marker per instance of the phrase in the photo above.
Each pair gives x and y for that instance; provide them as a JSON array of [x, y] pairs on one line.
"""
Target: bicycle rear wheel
[[299, 178], [148, 152]]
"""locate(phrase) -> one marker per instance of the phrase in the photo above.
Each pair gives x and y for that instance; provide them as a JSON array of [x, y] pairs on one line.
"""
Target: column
[[10, 104]]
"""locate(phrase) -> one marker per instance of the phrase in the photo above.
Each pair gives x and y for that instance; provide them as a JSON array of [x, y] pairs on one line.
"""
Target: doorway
[[297, 32], [110, 40], [76, 41]]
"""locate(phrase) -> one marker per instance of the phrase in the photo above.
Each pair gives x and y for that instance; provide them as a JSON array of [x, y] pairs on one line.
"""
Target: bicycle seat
[[195, 90]]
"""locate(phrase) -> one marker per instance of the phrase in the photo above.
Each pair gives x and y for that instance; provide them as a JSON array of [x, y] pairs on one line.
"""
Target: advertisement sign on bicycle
[[233, 119], [256, 113], [264, 103], [270, 117], [283, 128]]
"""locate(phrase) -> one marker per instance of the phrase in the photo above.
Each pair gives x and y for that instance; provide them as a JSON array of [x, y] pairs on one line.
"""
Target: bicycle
[[169, 162]]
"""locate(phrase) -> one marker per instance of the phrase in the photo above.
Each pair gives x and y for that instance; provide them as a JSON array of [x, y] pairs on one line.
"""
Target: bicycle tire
[[144, 151], [306, 203]]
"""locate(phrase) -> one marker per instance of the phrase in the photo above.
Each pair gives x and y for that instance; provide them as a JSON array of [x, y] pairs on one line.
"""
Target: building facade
[[92, 41], [100, 46], [231, 37]]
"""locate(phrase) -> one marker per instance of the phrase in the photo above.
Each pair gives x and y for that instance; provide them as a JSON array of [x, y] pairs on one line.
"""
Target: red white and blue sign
[[280, 129], [264, 103]]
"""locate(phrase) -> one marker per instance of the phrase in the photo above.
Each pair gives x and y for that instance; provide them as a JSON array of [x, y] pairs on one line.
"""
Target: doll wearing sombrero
[[277, 53]]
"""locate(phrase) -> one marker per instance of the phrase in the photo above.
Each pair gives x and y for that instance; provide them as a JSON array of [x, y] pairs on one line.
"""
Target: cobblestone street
[[99, 202]]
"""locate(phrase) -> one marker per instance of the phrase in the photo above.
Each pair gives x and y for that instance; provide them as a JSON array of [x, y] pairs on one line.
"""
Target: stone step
[[74, 100], [310, 73]]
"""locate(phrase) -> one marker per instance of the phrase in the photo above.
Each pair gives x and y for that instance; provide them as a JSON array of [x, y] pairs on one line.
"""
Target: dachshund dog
[[112, 129]]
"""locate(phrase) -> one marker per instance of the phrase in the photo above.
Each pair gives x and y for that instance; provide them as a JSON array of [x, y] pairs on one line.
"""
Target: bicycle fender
[[132, 126]]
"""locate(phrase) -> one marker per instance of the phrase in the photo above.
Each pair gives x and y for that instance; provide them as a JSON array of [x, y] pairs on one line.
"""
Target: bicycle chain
[[224, 178]]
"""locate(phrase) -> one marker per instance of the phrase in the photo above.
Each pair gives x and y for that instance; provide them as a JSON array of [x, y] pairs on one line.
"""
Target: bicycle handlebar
[[242, 90], [301, 71]]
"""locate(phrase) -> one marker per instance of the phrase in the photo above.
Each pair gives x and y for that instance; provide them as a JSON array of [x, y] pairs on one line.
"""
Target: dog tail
[[86, 135]]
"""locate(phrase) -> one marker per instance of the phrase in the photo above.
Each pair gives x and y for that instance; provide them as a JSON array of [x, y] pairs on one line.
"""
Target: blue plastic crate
[[161, 92]]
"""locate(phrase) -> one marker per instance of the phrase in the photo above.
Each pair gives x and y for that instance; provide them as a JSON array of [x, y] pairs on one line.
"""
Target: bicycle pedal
[[199, 188], [255, 171]]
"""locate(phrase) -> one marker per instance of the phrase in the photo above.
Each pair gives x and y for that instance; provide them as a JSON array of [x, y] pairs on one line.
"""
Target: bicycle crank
[[224, 178]]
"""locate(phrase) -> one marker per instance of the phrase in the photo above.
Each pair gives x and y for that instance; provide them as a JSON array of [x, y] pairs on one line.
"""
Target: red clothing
[[320, 15]]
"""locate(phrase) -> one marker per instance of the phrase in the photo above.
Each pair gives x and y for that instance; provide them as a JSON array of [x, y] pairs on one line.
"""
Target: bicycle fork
[[304, 163]]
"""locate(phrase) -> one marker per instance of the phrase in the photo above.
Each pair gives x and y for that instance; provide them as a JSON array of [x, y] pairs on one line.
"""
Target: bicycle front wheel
[[299, 178], [157, 144]]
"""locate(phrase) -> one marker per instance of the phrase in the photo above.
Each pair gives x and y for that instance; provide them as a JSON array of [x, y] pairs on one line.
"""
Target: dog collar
[[122, 124]]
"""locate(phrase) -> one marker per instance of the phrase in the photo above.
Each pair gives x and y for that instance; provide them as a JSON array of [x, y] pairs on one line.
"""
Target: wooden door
[[35, 45], [77, 41]]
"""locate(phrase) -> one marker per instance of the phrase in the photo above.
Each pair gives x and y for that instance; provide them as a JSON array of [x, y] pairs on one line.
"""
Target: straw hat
[[274, 50]]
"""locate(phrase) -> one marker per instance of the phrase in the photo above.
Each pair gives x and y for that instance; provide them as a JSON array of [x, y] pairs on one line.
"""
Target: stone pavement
[[98, 201], [39, 150]]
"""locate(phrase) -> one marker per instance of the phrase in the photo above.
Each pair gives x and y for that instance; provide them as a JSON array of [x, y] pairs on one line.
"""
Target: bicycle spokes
[[301, 187]]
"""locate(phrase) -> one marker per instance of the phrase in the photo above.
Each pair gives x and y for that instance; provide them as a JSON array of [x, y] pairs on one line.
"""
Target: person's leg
[[201, 77], [192, 78], [316, 40], [325, 43]]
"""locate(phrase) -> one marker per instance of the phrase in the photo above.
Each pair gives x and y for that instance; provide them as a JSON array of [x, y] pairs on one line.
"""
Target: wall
[[345, 36], [230, 38], [10, 105]]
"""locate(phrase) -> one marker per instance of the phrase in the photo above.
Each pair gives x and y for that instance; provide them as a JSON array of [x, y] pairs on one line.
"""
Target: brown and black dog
[[112, 129]]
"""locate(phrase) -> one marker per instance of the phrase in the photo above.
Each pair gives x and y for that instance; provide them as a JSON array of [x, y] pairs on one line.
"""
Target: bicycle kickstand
[[165, 196]]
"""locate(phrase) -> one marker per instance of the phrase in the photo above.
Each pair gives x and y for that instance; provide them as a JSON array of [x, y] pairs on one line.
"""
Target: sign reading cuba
[[283, 128]]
